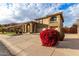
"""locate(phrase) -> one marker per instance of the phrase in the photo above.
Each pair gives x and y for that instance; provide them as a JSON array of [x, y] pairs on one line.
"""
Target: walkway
[[30, 45]]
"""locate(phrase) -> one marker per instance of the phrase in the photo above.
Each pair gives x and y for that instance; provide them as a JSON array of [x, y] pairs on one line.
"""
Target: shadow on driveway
[[69, 43]]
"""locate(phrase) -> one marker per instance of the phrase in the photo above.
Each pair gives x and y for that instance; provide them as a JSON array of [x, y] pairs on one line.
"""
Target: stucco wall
[[46, 20], [41, 26]]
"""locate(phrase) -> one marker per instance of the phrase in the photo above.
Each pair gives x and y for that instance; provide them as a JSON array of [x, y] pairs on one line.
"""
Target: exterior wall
[[46, 20], [41, 26], [60, 23], [23, 28], [53, 24], [34, 27]]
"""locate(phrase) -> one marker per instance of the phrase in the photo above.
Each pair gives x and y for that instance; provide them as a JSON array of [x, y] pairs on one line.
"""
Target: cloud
[[5, 12], [71, 15], [34, 10], [23, 12]]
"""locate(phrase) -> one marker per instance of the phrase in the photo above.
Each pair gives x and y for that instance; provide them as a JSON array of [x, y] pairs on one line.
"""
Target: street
[[3, 50]]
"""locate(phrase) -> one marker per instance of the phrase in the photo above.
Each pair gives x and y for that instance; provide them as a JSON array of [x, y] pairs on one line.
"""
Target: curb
[[15, 51]]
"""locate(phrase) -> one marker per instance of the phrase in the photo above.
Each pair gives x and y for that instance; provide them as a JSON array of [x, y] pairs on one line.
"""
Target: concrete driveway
[[30, 45]]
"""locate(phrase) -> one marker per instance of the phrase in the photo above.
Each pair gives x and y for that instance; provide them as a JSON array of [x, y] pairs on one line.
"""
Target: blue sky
[[23, 12]]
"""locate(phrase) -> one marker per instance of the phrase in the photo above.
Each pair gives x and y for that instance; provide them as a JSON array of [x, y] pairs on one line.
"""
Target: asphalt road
[[4, 51]]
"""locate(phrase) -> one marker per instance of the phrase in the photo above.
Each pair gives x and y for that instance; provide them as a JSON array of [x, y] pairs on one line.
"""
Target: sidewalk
[[30, 45], [71, 35]]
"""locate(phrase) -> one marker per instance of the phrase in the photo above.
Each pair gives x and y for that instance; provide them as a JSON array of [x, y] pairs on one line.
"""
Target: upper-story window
[[53, 19]]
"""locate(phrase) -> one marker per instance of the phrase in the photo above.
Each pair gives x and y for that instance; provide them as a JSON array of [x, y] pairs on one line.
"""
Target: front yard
[[8, 33]]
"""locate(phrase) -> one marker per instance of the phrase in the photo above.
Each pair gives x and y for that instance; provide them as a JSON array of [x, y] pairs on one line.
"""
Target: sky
[[23, 12]]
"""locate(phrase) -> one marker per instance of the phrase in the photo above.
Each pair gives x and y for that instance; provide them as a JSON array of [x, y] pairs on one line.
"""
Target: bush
[[49, 37], [62, 35]]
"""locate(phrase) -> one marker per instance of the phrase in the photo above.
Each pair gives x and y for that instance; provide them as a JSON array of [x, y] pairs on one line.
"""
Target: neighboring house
[[54, 21], [70, 30]]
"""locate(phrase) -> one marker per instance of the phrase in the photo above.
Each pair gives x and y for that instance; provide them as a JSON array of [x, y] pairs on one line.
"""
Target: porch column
[[25, 28], [35, 28], [31, 28]]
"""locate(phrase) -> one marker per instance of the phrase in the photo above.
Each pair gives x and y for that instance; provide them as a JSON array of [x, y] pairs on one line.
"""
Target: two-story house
[[54, 21]]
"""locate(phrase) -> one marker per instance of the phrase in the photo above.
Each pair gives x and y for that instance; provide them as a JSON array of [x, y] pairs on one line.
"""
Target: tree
[[2, 29]]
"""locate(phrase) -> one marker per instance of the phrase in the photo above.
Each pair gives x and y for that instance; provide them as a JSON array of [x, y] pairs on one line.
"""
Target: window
[[41, 21], [53, 19]]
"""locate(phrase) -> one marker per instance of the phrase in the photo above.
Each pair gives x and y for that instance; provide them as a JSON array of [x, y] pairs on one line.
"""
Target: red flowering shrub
[[49, 37]]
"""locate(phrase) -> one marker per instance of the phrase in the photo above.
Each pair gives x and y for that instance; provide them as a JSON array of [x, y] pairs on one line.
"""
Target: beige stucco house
[[54, 21]]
